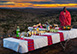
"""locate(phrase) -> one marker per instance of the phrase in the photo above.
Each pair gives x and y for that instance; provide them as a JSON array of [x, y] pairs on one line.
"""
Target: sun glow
[[22, 5]]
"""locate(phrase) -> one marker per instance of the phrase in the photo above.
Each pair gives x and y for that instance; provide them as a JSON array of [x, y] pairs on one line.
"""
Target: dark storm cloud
[[52, 2], [3, 1], [6, 3], [65, 1], [42, 1], [62, 2]]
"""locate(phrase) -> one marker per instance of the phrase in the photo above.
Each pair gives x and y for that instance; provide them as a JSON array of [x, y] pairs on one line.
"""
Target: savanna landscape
[[11, 18]]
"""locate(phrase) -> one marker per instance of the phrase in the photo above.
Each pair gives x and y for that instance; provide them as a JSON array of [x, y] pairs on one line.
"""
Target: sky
[[38, 3]]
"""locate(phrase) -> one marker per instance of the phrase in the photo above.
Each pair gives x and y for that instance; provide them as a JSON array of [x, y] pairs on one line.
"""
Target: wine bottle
[[17, 31]]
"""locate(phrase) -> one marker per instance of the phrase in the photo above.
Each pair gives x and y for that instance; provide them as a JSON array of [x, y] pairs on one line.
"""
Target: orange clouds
[[56, 5], [22, 5], [25, 0]]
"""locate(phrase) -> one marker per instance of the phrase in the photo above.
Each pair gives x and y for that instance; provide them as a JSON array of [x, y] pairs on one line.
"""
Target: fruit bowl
[[66, 28]]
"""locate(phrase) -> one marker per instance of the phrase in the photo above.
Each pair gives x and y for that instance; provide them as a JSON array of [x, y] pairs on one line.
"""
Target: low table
[[22, 45], [39, 41]]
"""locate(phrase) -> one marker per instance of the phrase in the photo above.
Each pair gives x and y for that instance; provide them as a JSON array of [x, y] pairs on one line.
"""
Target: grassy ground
[[9, 19]]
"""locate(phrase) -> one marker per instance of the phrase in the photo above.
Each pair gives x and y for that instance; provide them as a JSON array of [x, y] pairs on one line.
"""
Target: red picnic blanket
[[30, 43], [61, 36], [49, 38]]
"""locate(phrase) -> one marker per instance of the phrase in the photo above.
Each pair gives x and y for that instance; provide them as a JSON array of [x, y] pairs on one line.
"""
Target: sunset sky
[[37, 3]]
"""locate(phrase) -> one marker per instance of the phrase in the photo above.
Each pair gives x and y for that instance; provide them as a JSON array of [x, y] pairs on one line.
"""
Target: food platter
[[66, 27]]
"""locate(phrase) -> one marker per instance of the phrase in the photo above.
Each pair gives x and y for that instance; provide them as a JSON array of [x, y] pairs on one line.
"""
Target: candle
[[35, 32], [32, 32], [29, 33], [37, 29]]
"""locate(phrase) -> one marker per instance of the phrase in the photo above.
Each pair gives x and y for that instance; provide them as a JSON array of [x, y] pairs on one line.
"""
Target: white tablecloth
[[69, 34], [22, 45], [39, 41], [55, 37]]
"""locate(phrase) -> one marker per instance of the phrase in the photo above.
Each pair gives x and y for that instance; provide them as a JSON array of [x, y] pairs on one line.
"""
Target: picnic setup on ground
[[39, 36]]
